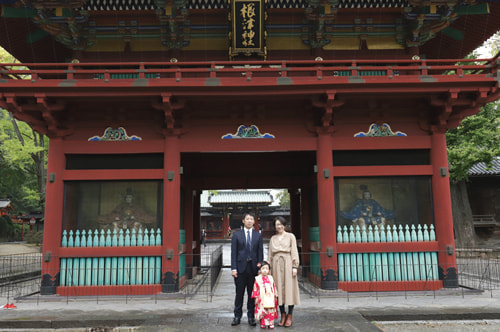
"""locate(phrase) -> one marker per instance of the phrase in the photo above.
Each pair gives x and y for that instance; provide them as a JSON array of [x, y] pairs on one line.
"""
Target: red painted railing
[[249, 73]]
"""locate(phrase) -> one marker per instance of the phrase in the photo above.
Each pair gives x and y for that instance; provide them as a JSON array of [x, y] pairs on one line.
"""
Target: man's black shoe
[[236, 321], [251, 322]]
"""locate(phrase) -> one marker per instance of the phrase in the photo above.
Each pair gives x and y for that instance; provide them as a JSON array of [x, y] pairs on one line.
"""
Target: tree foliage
[[492, 45], [476, 140], [9, 230], [22, 160], [22, 164], [284, 198]]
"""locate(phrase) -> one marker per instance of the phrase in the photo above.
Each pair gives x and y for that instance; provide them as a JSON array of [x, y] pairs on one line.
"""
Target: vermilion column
[[257, 225], [53, 217], [443, 216], [171, 216], [326, 212], [225, 225], [295, 212], [189, 229], [195, 213], [306, 223]]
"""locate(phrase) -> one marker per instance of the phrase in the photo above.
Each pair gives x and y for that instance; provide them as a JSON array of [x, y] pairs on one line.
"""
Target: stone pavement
[[12, 248], [341, 312]]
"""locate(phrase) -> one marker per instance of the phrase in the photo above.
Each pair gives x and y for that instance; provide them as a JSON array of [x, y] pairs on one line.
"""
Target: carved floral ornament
[[115, 134], [247, 132], [382, 130]]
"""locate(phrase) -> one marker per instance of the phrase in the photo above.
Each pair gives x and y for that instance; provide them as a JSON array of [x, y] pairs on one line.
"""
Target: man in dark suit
[[246, 251]]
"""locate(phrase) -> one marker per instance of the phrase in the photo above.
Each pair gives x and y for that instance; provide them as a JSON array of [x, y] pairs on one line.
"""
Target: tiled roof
[[235, 197], [4, 203], [481, 169]]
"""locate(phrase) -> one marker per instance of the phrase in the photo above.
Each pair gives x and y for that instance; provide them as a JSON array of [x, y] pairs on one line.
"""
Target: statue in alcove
[[127, 215], [367, 211]]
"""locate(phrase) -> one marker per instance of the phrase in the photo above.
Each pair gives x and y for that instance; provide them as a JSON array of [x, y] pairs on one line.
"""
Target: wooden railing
[[484, 220], [249, 73]]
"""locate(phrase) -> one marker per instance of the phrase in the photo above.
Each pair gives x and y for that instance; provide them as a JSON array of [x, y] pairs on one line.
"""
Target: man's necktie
[[249, 244]]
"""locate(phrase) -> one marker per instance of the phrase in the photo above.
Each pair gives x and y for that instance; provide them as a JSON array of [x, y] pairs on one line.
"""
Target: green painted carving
[[247, 132], [170, 34], [115, 134], [61, 21], [425, 22], [382, 130], [319, 14]]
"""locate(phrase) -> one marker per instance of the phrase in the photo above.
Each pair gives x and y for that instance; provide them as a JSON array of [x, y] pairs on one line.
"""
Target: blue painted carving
[[115, 134], [382, 130], [247, 132]]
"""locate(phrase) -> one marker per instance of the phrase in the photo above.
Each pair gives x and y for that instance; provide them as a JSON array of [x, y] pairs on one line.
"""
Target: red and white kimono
[[266, 299]]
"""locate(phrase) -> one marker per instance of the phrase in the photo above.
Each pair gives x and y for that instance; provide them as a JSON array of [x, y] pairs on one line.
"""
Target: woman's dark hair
[[281, 220]]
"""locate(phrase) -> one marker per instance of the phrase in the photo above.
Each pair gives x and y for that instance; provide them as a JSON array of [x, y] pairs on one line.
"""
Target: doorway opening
[[222, 210]]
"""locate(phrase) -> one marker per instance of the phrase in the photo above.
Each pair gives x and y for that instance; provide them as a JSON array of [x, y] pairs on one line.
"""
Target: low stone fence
[[484, 253]]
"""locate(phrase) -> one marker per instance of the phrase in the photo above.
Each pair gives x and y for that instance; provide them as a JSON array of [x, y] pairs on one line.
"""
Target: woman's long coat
[[283, 256]]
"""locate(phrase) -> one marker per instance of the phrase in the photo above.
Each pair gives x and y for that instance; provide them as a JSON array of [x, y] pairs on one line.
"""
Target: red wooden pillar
[[171, 216], [295, 212], [257, 226], [306, 223], [189, 230], [326, 213], [225, 225], [53, 217], [195, 213], [442, 211]]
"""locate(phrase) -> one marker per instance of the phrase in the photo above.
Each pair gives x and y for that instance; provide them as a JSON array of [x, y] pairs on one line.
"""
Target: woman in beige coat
[[284, 258]]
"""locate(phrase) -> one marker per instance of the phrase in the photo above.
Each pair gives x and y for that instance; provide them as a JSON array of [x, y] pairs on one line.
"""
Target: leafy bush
[[9, 230], [34, 237]]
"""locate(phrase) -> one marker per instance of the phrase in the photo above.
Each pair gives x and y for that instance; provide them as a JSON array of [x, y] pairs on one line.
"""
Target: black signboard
[[247, 33]]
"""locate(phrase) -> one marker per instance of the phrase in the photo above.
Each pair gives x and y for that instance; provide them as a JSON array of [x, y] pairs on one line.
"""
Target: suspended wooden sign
[[247, 27]]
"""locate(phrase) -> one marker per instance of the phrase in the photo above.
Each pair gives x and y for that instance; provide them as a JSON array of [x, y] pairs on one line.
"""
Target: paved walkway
[[162, 313], [12, 248]]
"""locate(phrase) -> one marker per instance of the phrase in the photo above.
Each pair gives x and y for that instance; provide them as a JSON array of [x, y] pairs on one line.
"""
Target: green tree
[[22, 160], [284, 198], [8, 230], [23, 164], [492, 45], [476, 140]]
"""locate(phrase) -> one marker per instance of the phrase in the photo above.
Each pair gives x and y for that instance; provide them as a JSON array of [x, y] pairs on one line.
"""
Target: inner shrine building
[[344, 103]]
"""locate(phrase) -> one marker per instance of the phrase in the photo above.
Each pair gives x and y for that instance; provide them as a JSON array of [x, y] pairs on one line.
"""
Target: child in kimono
[[266, 297]]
